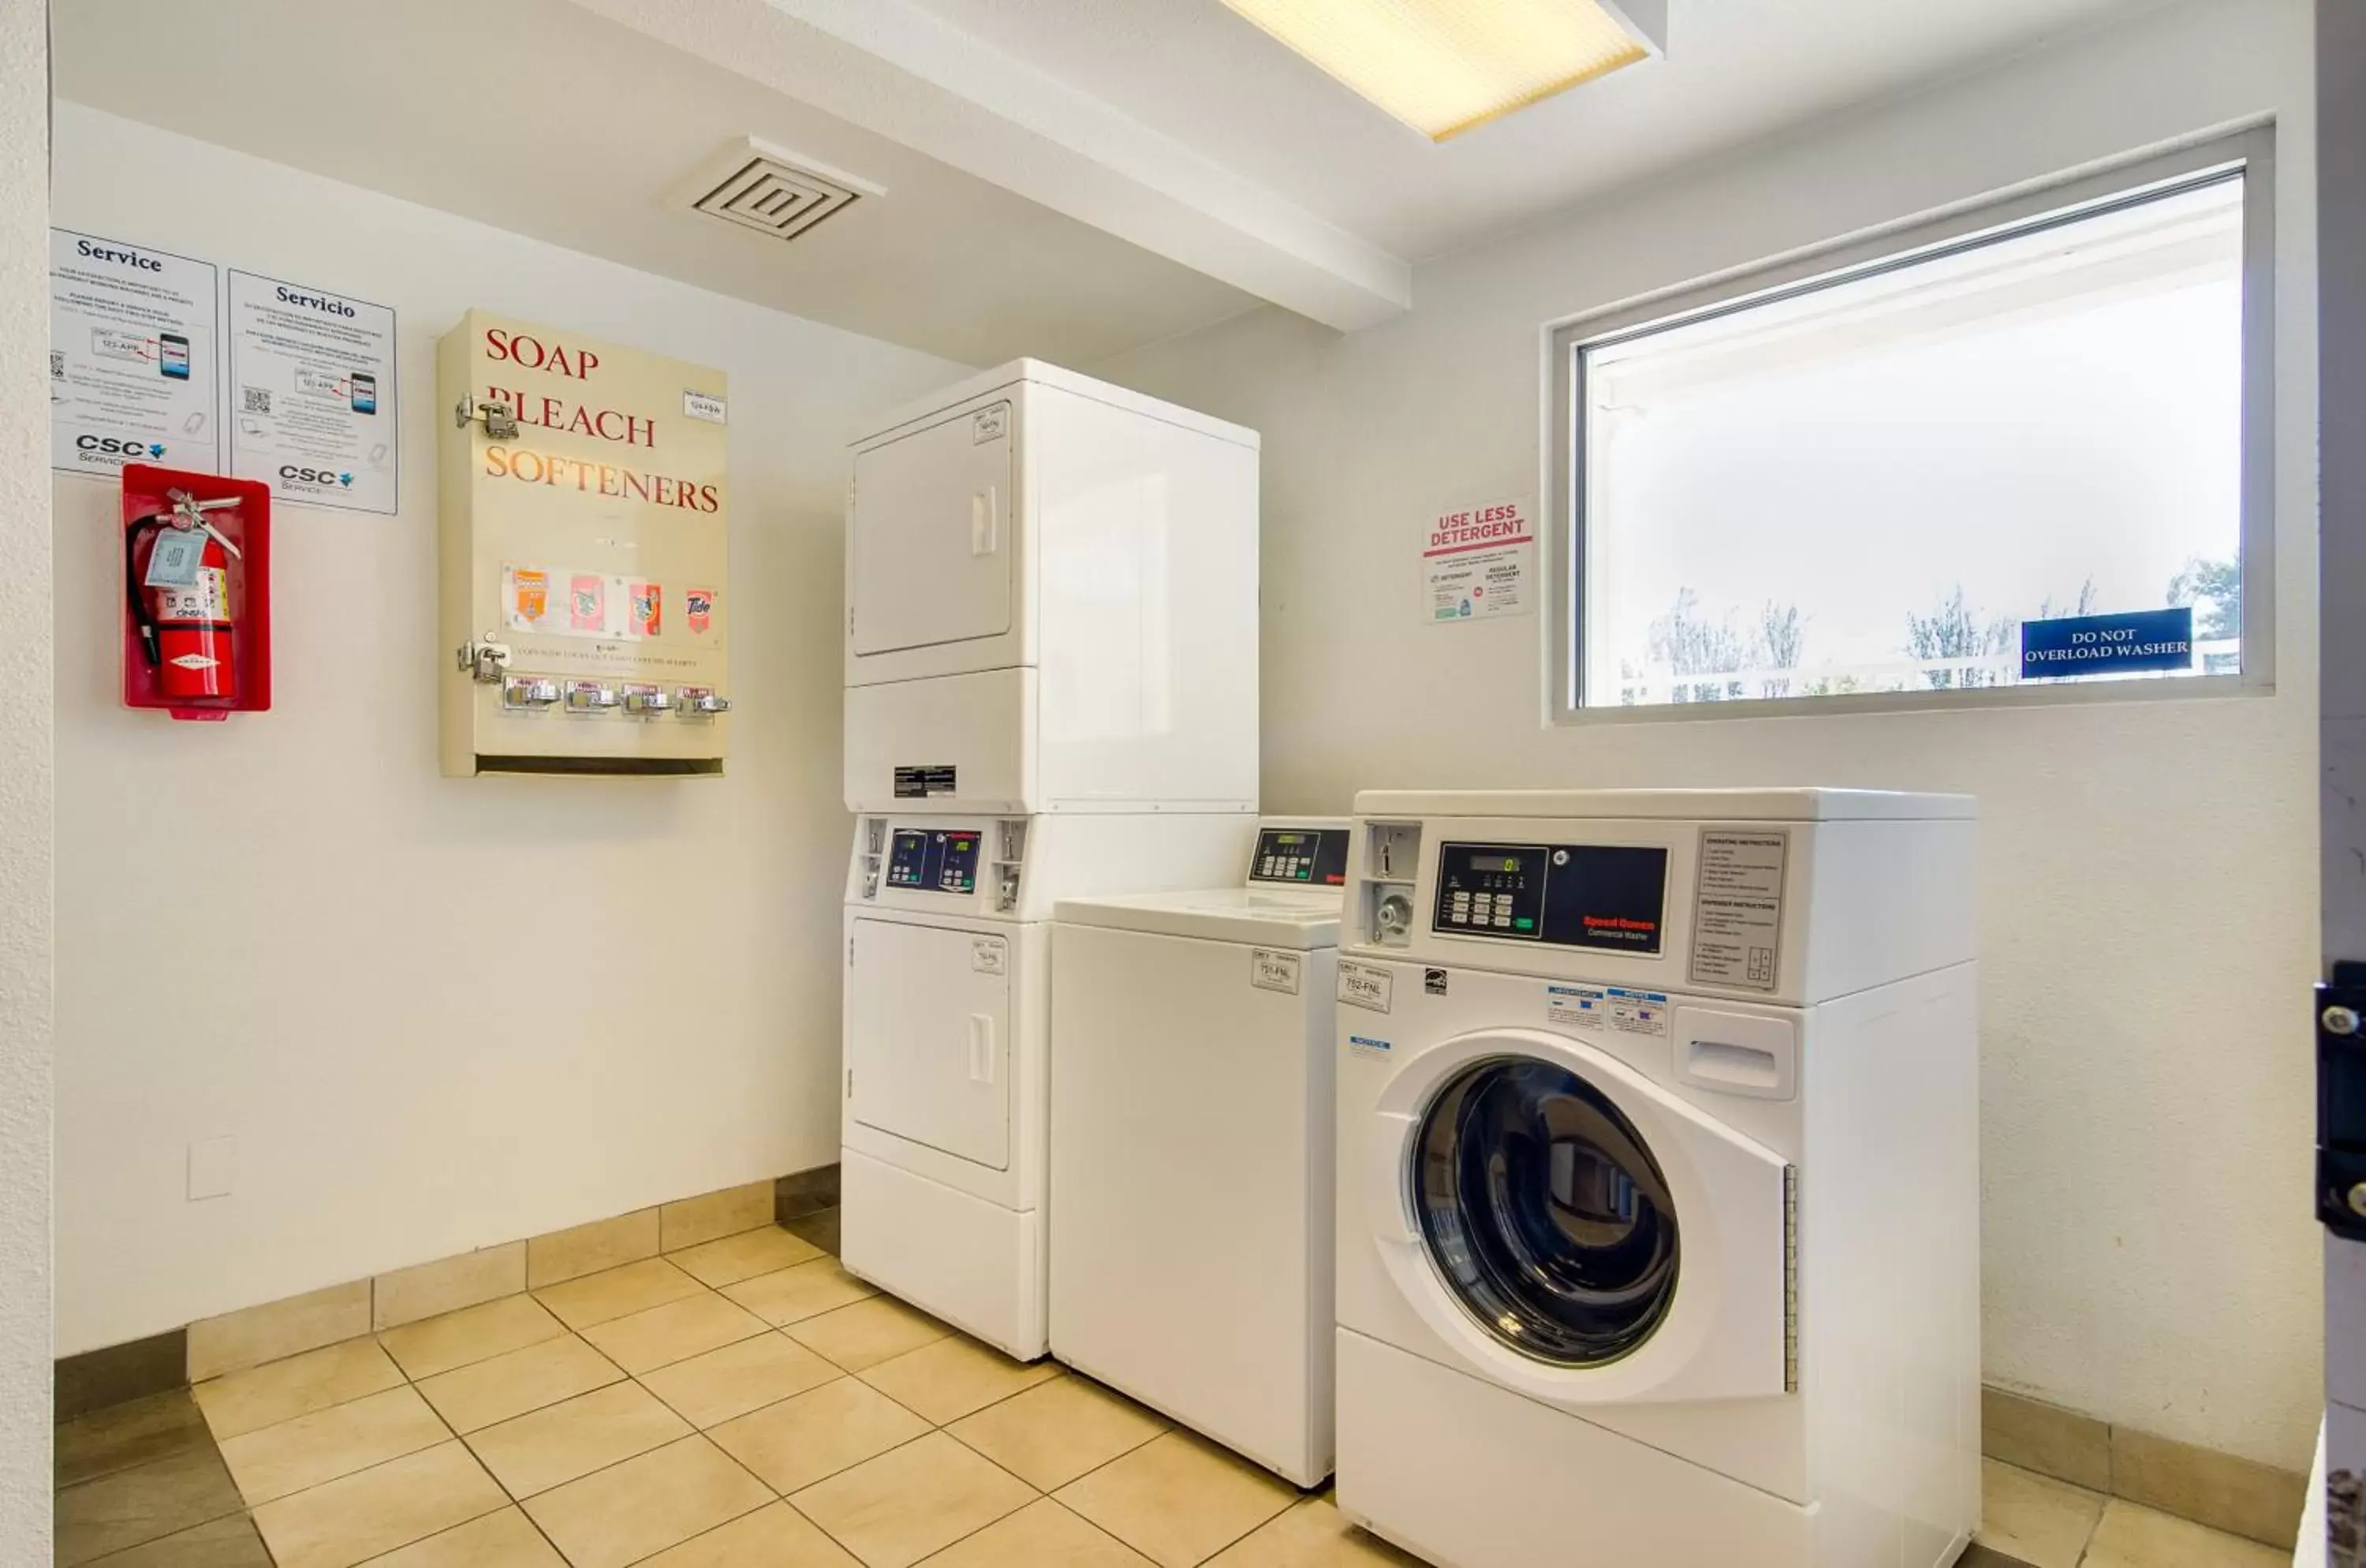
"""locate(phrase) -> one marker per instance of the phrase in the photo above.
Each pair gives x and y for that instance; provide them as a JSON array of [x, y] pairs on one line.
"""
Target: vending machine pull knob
[[696, 701], [647, 702], [589, 696], [529, 691]]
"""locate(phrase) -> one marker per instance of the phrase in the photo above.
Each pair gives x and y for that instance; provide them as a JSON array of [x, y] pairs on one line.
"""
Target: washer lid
[[1259, 917]]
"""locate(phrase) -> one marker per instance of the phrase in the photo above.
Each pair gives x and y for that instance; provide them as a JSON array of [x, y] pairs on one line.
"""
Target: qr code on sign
[[57, 366], [255, 399]]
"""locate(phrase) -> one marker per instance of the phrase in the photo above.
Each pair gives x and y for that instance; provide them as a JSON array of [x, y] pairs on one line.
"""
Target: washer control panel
[[1599, 896], [1300, 857], [935, 860]]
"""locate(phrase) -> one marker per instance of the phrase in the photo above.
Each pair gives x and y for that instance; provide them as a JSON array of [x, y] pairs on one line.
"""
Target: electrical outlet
[[213, 1164]]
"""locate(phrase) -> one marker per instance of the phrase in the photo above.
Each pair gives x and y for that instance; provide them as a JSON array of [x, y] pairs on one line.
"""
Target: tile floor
[[745, 1404]]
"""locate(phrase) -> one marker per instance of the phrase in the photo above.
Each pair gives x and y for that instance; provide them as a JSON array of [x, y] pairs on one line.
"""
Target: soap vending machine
[[585, 523], [1051, 691]]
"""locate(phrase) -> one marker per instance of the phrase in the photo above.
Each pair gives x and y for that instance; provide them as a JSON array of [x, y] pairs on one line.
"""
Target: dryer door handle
[[982, 1064], [1386, 1137]]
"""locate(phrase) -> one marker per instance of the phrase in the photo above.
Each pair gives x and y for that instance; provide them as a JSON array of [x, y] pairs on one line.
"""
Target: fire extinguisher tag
[[174, 562]]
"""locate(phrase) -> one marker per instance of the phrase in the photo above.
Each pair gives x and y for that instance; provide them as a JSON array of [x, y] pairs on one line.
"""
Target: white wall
[[2148, 894], [433, 1013], [25, 801]]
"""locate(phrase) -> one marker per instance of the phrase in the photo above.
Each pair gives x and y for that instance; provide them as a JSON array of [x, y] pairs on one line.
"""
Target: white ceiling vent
[[772, 190]]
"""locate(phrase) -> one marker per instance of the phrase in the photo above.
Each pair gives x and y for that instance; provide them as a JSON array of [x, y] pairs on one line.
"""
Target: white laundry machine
[[1658, 1202], [1051, 691], [1192, 1110]]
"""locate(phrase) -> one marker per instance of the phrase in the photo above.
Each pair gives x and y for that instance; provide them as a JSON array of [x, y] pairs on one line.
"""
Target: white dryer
[[1190, 1241], [1658, 1202]]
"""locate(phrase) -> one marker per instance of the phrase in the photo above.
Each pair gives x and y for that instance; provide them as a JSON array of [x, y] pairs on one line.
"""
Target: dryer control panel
[[935, 860], [1611, 896]]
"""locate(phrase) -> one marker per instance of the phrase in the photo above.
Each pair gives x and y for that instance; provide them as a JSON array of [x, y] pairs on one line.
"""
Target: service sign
[[312, 378], [133, 377], [590, 506]]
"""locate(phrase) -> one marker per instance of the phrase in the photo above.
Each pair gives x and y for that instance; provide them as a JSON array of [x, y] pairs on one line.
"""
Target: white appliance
[[1192, 1107], [1658, 1202], [1051, 690]]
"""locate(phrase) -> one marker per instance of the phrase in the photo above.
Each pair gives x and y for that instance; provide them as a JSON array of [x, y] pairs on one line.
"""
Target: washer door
[[1573, 1230], [1545, 1211]]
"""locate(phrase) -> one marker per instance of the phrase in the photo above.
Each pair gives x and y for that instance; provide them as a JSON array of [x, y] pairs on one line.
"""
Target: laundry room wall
[[2147, 893], [433, 1014]]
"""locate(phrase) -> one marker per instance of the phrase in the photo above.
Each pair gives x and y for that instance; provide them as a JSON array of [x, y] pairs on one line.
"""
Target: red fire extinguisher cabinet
[[149, 496]]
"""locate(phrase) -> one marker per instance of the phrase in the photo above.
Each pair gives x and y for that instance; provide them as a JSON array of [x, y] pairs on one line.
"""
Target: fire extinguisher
[[181, 603]]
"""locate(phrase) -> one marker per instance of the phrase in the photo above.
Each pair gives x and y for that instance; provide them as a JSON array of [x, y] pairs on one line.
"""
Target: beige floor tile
[[674, 1332], [795, 1294], [320, 1447], [474, 1334], [264, 1396], [867, 1333], [688, 1221], [713, 1388], [647, 1505], [895, 1510], [448, 1284], [2042, 1521], [134, 1506], [1056, 1431], [617, 1293], [552, 1446], [363, 1516], [816, 1434], [1312, 1535], [774, 1537], [1040, 1535], [506, 1539], [2136, 1537], [590, 1249], [1177, 1499], [954, 1377], [124, 1436], [277, 1330], [224, 1544], [744, 1257], [473, 1397]]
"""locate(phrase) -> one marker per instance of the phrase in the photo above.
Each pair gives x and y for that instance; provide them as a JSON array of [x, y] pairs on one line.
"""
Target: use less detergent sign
[[2106, 645], [1479, 561]]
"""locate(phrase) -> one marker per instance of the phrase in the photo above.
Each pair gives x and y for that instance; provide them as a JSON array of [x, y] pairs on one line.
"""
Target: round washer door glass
[[1545, 1213]]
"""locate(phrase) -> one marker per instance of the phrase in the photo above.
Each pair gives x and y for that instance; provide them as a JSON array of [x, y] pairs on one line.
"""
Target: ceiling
[[1066, 178]]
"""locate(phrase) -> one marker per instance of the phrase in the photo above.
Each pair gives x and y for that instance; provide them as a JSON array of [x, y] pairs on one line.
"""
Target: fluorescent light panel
[[1442, 66]]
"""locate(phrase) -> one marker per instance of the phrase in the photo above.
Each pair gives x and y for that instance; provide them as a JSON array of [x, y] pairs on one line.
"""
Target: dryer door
[[930, 537], [928, 1019], [1577, 1231]]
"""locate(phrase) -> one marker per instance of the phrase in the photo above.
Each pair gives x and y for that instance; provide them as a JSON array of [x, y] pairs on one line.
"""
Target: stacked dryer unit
[[1659, 1179], [1051, 692]]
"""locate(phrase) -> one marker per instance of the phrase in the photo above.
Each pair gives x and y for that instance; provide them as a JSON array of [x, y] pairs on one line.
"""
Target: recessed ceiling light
[[1442, 66]]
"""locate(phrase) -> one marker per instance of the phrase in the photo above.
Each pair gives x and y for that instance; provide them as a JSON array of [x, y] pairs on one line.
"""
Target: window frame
[[2049, 204]]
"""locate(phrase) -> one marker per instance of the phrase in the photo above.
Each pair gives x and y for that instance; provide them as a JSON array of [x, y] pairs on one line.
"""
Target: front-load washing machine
[[1657, 1182], [1192, 1109]]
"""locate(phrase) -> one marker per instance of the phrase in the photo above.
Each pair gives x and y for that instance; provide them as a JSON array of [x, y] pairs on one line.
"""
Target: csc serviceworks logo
[[115, 448], [314, 478]]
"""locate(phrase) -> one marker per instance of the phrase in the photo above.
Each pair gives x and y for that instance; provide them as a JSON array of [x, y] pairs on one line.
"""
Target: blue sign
[[2106, 645]]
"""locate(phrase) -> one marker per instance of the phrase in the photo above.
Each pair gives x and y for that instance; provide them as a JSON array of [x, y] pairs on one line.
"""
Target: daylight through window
[[2016, 459]]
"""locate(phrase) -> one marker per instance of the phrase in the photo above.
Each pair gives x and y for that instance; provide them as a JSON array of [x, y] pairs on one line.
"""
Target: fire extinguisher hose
[[141, 615]]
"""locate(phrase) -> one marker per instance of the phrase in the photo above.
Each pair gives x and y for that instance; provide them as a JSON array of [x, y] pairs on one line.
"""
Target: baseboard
[[2240, 1496], [94, 1380]]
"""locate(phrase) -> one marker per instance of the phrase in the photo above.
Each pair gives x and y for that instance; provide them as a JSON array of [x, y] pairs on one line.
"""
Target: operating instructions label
[[1738, 907]]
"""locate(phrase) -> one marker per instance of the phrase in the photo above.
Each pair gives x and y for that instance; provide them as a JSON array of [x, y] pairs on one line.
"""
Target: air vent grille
[[773, 192]]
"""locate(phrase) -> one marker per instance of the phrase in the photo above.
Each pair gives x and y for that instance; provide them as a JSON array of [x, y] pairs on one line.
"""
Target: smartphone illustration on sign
[[365, 392], [173, 356]]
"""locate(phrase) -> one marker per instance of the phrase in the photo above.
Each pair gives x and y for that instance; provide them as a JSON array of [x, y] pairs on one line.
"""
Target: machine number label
[[990, 424], [988, 954], [1738, 908], [1367, 987], [1274, 971]]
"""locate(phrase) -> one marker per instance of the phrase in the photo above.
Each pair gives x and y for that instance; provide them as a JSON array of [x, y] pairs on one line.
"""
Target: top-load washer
[[1192, 1132], [1658, 1202]]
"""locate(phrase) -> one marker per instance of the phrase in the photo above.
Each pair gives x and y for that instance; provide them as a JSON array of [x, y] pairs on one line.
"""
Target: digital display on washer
[[1302, 857], [934, 860], [1600, 895]]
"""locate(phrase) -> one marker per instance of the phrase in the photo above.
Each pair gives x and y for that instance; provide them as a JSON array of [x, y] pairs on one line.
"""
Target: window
[[2018, 454]]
